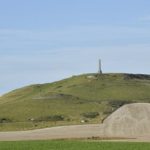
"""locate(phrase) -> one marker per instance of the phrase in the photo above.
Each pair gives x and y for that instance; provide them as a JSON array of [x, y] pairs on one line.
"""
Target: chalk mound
[[131, 120]]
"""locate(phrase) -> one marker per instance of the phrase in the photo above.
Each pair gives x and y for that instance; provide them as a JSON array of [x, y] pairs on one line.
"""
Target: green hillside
[[88, 98]]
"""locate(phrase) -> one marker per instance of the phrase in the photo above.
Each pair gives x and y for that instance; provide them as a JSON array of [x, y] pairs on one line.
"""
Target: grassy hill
[[80, 99]]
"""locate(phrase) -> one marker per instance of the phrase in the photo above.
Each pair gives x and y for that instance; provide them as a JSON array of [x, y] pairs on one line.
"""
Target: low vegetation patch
[[5, 120], [90, 114], [137, 76], [51, 118], [118, 103]]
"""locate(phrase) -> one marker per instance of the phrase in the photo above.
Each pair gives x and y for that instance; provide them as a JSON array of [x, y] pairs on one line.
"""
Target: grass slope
[[86, 98], [72, 145]]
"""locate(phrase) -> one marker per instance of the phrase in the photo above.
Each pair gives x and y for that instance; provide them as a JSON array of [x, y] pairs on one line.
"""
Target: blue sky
[[48, 40]]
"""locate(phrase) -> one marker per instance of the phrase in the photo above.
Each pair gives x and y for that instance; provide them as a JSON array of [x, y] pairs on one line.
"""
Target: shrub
[[55, 118], [4, 120], [51, 118], [117, 103], [59, 87], [136, 76], [90, 114]]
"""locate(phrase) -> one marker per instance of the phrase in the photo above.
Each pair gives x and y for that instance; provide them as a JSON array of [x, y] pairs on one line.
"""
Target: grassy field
[[86, 98], [72, 145]]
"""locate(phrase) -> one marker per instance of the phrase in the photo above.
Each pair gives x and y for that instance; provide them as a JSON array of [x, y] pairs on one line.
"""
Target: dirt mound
[[131, 120]]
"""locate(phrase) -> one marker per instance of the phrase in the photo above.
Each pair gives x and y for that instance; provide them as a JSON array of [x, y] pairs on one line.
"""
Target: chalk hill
[[82, 99]]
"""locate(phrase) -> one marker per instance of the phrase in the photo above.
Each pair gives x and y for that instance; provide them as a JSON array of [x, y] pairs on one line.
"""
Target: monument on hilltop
[[100, 67]]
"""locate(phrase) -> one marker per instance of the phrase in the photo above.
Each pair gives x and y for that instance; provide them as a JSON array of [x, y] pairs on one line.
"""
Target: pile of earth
[[131, 120]]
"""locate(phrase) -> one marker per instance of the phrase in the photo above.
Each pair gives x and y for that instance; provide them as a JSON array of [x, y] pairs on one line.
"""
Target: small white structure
[[91, 77]]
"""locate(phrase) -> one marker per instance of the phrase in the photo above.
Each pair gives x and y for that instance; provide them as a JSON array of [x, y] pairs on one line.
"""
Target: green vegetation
[[4, 120], [51, 118], [72, 145], [90, 114], [71, 100]]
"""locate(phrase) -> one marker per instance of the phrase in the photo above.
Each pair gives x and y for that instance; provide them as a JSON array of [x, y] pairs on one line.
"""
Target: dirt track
[[64, 132], [77, 131]]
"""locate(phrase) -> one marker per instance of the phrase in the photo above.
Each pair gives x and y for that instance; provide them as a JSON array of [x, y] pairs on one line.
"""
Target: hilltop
[[83, 99]]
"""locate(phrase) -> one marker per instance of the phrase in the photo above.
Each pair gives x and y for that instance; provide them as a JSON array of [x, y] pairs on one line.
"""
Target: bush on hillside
[[51, 118], [90, 114], [118, 103], [55, 118], [59, 87], [5, 120], [136, 76]]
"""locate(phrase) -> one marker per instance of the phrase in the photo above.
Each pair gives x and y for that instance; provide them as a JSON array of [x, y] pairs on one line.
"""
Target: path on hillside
[[63, 132]]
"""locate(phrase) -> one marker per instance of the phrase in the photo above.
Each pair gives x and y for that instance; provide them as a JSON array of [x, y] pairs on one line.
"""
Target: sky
[[48, 40]]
